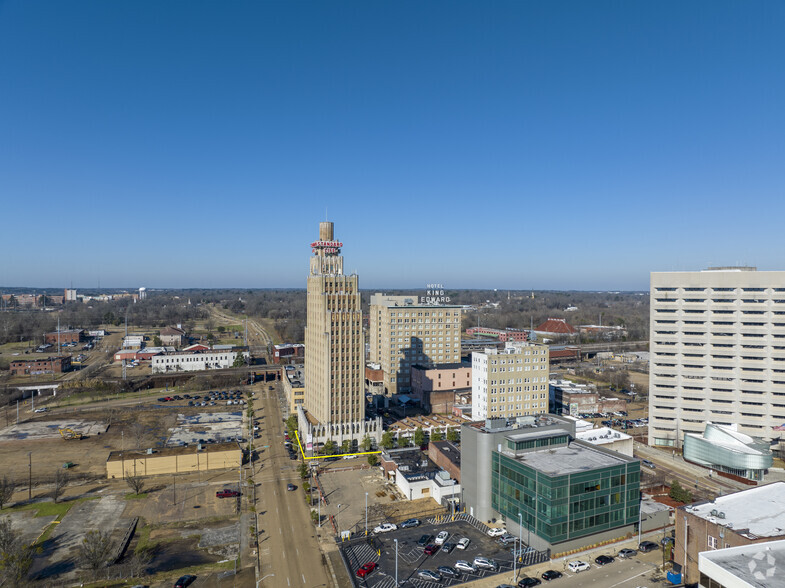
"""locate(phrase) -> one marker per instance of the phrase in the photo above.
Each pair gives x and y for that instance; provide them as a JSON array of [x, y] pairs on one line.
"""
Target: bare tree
[[137, 431], [95, 550], [7, 488], [136, 483], [16, 556], [60, 482]]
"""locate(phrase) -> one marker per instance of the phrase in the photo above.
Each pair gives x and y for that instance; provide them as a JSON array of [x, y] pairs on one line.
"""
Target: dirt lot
[[345, 491]]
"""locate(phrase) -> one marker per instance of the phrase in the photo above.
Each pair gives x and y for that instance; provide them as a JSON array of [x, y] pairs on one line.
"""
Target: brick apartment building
[[48, 365]]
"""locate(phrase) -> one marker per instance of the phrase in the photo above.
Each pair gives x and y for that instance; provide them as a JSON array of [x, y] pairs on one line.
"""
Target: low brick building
[[68, 336], [172, 336], [48, 365], [751, 516], [446, 455]]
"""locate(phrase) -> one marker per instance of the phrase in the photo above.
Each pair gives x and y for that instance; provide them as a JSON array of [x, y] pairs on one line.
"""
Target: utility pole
[[30, 475]]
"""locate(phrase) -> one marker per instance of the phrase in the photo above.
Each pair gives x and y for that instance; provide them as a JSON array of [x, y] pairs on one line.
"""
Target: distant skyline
[[515, 145]]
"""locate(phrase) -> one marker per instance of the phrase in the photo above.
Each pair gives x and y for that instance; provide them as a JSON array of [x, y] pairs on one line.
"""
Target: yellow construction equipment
[[68, 434]]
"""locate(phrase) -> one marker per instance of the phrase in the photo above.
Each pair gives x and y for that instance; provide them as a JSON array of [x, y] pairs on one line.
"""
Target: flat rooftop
[[757, 512], [572, 459], [757, 564], [169, 451]]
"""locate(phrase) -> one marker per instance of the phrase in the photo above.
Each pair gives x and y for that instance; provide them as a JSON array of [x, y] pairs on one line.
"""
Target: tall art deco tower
[[334, 349]]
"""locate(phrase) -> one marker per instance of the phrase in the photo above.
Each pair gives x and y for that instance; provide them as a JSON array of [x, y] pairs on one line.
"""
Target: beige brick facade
[[334, 347], [404, 333]]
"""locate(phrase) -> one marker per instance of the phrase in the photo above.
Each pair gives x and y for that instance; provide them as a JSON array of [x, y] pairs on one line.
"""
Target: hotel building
[[405, 333]]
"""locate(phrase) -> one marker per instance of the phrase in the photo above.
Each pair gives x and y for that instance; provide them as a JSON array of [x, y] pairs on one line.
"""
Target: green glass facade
[[569, 506]]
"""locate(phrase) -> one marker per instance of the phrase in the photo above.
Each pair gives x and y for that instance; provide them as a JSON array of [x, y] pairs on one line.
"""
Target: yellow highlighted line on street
[[297, 434]]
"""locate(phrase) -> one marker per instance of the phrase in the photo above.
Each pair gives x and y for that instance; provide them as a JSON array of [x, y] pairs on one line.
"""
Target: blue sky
[[546, 145]]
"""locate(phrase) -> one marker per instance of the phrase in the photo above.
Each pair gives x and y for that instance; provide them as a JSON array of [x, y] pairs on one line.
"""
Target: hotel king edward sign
[[434, 294]]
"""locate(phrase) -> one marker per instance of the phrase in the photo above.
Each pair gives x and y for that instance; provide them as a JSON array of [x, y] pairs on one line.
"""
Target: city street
[[288, 550]]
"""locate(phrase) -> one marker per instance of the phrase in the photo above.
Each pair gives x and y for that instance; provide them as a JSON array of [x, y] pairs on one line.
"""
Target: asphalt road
[[288, 549]]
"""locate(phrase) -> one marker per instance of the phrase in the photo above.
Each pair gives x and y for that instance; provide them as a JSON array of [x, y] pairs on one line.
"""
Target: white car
[[441, 538], [496, 532], [385, 527], [463, 543], [484, 562], [464, 566], [41, 409], [578, 566]]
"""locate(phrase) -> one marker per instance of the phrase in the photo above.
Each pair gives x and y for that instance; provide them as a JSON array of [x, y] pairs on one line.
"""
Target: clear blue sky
[[564, 145]]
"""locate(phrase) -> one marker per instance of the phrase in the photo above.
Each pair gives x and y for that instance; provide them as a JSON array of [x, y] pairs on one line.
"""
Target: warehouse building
[[174, 460]]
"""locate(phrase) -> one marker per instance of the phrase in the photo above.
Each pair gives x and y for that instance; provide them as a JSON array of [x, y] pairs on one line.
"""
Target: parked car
[[43, 409], [463, 543], [526, 582], [429, 575], [648, 464], [430, 549], [485, 563], [447, 547], [506, 539], [647, 546], [496, 531], [184, 581], [441, 537], [226, 493], [624, 553], [410, 523], [291, 487], [465, 566], [602, 560], [578, 566], [385, 528], [549, 575], [366, 569], [447, 571], [425, 540]]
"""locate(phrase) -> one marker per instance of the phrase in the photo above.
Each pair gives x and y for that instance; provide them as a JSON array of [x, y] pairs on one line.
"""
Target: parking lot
[[380, 549]]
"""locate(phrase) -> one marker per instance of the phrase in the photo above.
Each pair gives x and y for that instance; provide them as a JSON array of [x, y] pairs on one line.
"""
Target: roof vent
[[721, 515], [714, 512]]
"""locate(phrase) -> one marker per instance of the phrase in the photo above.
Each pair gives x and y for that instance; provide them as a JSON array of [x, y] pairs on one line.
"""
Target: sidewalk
[[560, 564]]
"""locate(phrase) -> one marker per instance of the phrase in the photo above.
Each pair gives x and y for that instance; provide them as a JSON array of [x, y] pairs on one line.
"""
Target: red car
[[366, 569], [226, 493], [430, 549]]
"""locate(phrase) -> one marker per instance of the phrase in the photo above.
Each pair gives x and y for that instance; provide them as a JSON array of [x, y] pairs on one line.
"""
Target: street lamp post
[[520, 544], [366, 514], [267, 576], [396, 562]]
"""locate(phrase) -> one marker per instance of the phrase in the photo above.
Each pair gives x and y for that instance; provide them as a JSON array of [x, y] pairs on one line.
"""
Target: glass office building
[[564, 490]]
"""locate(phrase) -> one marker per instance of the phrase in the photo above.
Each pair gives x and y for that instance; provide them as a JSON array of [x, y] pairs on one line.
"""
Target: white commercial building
[[717, 353], [196, 361], [510, 383], [749, 566]]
